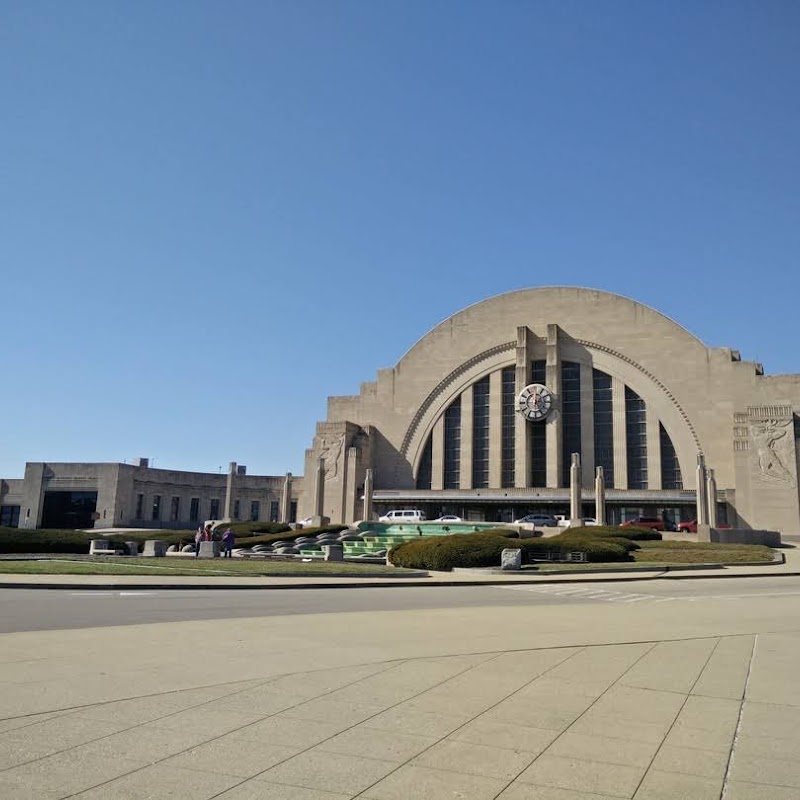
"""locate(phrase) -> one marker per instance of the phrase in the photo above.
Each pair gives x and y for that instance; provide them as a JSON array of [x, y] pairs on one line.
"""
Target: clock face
[[535, 402]]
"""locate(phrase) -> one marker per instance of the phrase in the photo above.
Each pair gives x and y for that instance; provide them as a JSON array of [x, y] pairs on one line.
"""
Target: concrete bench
[[100, 547]]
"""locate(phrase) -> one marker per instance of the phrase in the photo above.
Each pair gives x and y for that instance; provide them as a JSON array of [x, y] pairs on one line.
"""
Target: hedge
[[483, 549]]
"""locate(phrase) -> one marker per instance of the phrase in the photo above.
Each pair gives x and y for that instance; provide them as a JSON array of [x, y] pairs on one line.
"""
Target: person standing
[[227, 543], [198, 537]]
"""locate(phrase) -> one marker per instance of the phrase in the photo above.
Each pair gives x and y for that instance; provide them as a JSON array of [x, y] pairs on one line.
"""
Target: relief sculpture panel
[[772, 450]]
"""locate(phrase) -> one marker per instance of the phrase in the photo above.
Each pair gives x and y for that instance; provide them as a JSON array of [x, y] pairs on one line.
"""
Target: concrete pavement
[[563, 703]]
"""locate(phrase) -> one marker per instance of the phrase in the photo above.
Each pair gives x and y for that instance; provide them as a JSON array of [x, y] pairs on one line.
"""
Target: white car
[[448, 518]]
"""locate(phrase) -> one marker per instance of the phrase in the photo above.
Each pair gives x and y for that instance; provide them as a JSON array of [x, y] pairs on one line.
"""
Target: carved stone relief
[[330, 448], [772, 450]]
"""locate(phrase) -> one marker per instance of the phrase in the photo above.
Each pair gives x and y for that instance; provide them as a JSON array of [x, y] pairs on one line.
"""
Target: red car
[[644, 522], [691, 527]]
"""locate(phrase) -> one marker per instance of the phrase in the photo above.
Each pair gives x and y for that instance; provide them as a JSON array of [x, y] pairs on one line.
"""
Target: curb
[[412, 582]]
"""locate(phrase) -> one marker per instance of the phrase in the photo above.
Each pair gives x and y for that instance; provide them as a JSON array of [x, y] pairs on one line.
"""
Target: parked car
[[590, 521], [542, 520], [448, 518], [691, 526], [403, 515], [656, 523]]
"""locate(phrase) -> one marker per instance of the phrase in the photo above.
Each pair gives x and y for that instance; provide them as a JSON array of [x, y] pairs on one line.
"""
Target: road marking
[[136, 594], [92, 594]]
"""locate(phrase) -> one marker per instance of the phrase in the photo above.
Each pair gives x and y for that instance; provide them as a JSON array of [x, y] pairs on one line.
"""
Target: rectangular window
[[194, 509], [603, 425], [274, 510], [452, 445], [236, 509], [508, 424], [255, 510], [480, 434], [175, 509], [139, 506], [539, 433], [570, 415], [9, 516], [292, 512], [214, 509], [636, 439], [156, 506]]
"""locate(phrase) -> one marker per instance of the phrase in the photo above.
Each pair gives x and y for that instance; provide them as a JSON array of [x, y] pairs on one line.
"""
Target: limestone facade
[[140, 496], [441, 430]]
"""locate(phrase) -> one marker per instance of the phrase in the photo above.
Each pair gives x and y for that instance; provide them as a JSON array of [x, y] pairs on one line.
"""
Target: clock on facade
[[535, 402]]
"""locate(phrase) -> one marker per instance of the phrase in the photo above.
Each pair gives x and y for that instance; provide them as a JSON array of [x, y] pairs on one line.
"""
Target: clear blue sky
[[213, 215]]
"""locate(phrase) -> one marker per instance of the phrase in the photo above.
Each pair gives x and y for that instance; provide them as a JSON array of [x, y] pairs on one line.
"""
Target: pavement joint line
[[578, 650], [208, 741], [492, 657], [686, 697], [731, 753], [583, 714]]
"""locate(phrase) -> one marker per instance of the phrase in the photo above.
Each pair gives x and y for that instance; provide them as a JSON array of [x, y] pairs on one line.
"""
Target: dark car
[[656, 523]]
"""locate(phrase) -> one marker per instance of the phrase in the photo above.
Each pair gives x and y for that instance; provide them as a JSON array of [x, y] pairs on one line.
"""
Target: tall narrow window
[[236, 507], [255, 510], [570, 415], [292, 511], [603, 425], [156, 506], [175, 509], [509, 386], [671, 477], [480, 434], [274, 511], [538, 433], [425, 473], [214, 509], [139, 506], [194, 509], [636, 436], [452, 445]]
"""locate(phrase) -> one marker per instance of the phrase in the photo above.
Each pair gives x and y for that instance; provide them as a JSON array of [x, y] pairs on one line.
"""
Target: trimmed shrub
[[444, 553], [634, 534]]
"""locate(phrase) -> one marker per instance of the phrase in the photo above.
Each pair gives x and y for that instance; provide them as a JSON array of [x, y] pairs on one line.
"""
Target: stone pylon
[[319, 488], [286, 498], [575, 509], [368, 488], [599, 496], [711, 498], [229, 490], [702, 502]]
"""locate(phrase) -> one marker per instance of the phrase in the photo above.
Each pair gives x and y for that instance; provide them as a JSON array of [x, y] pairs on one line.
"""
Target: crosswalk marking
[[601, 595]]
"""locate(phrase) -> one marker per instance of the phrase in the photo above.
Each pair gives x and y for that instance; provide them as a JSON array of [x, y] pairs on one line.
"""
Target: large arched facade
[[627, 388]]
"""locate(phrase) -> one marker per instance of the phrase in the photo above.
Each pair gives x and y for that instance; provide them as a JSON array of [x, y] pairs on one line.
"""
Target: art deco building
[[481, 416]]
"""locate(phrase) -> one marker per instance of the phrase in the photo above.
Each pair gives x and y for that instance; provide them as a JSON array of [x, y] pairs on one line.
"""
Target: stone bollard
[[99, 544], [209, 550], [511, 558], [155, 548], [132, 548], [333, 552]]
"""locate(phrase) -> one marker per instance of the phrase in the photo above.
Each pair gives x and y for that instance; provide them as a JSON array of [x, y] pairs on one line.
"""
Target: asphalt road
[[32, 610]]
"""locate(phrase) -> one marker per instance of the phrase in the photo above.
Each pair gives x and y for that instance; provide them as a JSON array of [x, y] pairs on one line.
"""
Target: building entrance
[[69, 510]]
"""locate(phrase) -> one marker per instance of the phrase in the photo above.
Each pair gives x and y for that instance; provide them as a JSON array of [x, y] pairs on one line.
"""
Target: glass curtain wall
[[452, 445], [603, 425], [636, 439], [480, 434], [570, 415]]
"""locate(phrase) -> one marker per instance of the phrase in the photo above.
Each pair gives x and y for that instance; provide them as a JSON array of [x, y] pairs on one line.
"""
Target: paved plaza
[[593, 695]]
